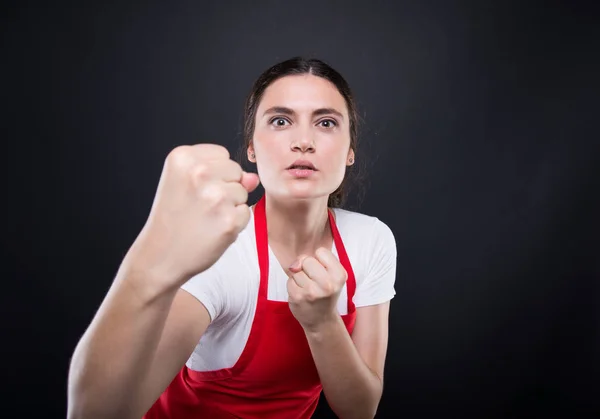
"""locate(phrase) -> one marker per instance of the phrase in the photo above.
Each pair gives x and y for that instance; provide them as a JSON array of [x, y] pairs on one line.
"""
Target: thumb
[[250, 181], [297, 265]]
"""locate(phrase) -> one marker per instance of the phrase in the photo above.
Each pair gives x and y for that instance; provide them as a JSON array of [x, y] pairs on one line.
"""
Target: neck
[[300, 226]]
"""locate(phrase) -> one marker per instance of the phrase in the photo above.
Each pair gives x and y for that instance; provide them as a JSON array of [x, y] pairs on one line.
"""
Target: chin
[[308, 194], [304, 192]]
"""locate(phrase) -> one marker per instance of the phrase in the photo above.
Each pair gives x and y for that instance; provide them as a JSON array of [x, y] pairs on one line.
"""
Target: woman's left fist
[[314, 288]]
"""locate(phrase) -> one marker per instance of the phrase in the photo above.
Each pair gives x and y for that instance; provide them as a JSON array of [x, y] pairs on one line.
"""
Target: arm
[[133, 348], [146, 328], [351, 368]]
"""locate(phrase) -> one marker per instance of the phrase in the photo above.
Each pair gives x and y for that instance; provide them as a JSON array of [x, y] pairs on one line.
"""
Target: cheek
[[266, 151], [337, 155], [272, 145], [340, 170], [269, 154]]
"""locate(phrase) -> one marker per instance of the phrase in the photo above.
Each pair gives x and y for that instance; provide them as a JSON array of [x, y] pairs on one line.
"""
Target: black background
[[481, 141]]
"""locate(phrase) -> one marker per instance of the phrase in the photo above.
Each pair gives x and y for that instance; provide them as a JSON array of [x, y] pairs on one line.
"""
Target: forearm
[[115, 354], [351, 388]]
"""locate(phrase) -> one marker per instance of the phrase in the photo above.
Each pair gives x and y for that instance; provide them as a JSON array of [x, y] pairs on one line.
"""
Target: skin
[[146, 327]]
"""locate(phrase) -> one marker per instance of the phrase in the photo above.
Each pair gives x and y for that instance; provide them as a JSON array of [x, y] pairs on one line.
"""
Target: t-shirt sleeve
[[208, 288], [378, 284]]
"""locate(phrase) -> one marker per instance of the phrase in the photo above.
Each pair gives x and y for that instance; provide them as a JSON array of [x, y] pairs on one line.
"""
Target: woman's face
[[301, 142]]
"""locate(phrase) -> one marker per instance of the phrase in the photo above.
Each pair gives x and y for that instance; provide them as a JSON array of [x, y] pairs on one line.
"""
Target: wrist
[[146, 282], [327, 325]]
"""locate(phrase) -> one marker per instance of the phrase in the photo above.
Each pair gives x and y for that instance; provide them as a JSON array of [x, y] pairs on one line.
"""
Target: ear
[[350, 159], [250, 154]]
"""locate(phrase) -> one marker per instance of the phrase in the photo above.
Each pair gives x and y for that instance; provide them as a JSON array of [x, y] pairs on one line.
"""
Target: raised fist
[[199, 209]]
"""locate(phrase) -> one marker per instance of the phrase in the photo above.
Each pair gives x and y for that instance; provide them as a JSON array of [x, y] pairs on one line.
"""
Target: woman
[[212, 313]]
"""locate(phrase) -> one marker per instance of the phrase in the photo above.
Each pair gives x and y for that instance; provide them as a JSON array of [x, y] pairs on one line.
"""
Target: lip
[[304, 163]]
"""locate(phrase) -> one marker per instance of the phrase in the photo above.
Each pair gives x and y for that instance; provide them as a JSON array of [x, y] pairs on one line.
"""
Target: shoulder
[[358, 226], [367, 239], [371, 247]]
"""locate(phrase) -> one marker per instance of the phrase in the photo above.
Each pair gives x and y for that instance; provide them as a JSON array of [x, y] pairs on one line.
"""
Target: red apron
[[275, 376]]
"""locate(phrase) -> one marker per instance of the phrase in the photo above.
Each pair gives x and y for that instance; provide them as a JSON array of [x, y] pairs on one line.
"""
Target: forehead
[[303, 92]]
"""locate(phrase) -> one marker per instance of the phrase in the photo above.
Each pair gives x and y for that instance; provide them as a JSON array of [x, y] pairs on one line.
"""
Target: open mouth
[[296, 167], [302, 165], [301, 169]]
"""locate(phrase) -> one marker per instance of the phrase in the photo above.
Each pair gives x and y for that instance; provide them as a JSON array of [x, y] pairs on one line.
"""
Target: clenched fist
[[314, 288], [199, 209]]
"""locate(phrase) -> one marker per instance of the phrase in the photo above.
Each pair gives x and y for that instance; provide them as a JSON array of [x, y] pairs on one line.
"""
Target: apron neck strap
[[262, 244]]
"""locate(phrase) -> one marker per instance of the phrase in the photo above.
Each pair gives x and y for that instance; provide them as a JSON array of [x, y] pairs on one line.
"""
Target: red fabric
[[275, 377]]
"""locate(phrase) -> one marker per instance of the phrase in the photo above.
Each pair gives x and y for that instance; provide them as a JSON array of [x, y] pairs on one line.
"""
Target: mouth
[[301, 165]]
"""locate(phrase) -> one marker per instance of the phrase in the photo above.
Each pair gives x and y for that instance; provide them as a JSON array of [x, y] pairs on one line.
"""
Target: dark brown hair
[[296, 66]]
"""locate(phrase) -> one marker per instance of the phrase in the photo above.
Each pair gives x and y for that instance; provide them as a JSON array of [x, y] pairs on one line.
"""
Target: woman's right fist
[[198, 211]]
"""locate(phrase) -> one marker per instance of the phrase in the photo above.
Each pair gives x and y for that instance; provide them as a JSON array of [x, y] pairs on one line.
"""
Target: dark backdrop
[[480, 139]]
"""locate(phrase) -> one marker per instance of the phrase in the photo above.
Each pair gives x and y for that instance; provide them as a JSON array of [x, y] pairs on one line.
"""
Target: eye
[[278, 121], [328, 123]]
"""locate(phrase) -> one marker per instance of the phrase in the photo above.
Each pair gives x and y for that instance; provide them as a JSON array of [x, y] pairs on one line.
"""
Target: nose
[[304, 143]]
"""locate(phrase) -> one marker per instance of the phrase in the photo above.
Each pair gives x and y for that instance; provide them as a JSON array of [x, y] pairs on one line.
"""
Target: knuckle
[[210, 150], [329, 288], [242, 192], [311, 295], [244, 214], [213, 195], [321, 252], [179, 156], [200, 172], [235, 167], [232, 170], [220, 150], [229, 224]]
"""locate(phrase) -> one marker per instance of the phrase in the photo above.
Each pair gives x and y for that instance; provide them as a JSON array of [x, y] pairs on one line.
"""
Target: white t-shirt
[[229, 288]]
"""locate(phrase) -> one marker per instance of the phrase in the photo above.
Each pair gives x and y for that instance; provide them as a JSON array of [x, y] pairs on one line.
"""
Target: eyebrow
[[317, 112]]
